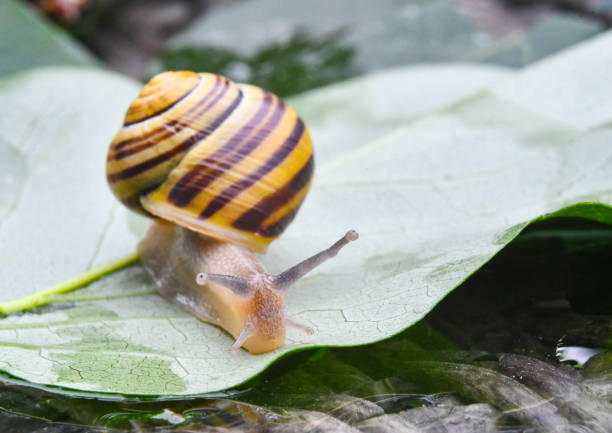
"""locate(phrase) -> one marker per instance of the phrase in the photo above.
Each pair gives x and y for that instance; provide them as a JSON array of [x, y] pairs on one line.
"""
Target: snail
[[223, 168]]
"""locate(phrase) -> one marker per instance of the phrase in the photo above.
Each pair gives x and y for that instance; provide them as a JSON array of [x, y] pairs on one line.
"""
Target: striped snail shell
[[231, 161], [224, 168]]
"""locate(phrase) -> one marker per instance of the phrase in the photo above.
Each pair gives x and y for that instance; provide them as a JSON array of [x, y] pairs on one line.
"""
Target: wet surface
[[483, 360]]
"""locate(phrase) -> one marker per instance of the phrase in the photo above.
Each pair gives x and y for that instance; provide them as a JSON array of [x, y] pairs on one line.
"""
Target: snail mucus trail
[[223, 168]]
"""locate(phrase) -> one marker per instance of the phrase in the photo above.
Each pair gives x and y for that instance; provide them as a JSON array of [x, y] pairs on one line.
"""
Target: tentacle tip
[[201, 278], [235, 348], [300, 326], [351, 235]]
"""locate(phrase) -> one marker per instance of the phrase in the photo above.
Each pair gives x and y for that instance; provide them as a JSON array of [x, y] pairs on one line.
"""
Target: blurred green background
[[289, 46]]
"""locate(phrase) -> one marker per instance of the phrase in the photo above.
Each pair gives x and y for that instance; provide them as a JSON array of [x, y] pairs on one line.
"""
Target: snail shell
[[231, 161]]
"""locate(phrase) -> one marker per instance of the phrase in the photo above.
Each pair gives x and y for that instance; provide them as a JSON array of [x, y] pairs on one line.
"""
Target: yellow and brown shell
[[232, 161]]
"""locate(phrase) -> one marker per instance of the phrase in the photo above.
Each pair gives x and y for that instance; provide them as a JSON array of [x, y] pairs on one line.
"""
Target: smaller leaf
[[28, 40]]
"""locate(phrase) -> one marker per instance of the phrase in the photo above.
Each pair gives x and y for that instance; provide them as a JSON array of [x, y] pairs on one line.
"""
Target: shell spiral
[[232, 161]]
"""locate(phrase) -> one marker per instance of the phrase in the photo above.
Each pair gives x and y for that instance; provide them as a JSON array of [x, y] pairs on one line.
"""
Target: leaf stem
[[44, 296]]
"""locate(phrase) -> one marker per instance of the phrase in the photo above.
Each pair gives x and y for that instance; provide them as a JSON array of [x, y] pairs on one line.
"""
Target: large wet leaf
[[435, 192], [27, 40]]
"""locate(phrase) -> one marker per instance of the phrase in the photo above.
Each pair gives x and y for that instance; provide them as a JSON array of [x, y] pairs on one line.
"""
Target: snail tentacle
[[246, 333], [235, 284], [297, 325], [286, 279]]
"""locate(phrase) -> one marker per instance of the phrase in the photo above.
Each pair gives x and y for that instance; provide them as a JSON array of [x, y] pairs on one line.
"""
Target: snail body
[[224, 168]]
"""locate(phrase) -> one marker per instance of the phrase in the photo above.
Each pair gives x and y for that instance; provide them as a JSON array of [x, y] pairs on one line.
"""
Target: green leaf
[[27, 40], [297, 65], [435, 191]]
